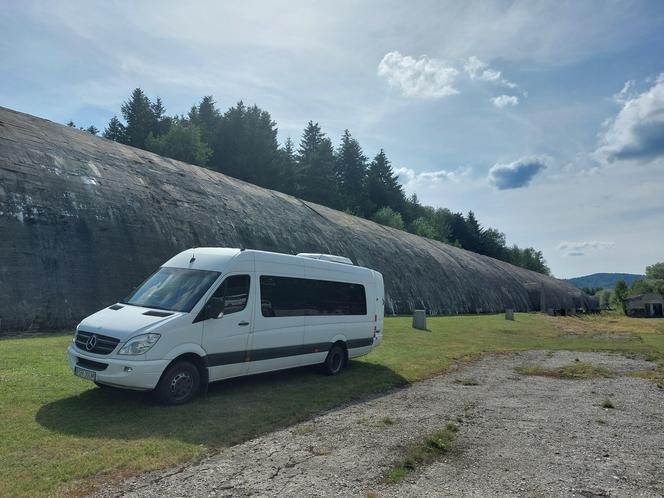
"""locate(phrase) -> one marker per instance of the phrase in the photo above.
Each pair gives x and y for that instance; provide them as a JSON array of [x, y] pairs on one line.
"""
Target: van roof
[[218, 258], [203, 258]]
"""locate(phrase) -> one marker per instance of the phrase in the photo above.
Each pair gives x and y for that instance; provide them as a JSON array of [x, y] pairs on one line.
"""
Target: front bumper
[[130, 374]]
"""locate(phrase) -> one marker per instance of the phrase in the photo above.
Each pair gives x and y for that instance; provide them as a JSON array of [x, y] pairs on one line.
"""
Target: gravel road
[[518, 436]]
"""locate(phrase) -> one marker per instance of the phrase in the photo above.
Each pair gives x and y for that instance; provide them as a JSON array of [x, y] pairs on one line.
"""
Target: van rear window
[[287, 296]]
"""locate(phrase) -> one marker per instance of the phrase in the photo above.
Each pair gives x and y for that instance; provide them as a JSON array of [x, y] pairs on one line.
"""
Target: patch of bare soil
[[518, 436]]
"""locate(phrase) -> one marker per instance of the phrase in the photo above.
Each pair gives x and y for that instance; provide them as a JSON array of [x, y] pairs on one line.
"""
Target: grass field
[[61, 435]]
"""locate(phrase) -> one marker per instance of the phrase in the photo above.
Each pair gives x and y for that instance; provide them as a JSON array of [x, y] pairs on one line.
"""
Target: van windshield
[[172, 289]]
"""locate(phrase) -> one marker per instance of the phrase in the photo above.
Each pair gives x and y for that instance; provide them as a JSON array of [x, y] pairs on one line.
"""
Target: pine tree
[[246, 145], [309, 144], [315, 178], [140, 118], [459, 230], [115, 131], [92, 129], [71, 124], [351, 171], [207, 117], [285, 181], [160, 122], [383, 187], [473, 233]]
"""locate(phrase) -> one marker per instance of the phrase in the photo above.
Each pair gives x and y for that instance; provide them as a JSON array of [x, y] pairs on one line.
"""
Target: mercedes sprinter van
[[214, 313]]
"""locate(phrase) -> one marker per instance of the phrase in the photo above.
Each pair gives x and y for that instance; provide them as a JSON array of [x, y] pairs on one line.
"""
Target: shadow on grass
[[233, 410]]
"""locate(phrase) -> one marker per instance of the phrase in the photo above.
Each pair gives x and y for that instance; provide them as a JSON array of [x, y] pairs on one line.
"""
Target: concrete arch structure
[[83, 220]]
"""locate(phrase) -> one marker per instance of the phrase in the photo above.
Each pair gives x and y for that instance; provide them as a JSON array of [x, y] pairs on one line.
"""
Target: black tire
[[335, 361], [179, 383]]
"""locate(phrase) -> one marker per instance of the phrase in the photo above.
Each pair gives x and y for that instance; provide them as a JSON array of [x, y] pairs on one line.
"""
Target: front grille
[[92, 365], [103, 343]]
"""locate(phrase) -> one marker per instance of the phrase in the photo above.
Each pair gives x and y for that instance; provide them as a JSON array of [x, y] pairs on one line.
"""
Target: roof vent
[[326, 257]]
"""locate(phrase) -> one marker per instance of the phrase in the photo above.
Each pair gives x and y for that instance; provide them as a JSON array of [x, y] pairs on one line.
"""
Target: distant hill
[[604, 280]]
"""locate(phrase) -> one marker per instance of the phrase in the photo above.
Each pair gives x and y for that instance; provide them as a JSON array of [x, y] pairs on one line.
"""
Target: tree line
[[242, 142], [652, 283]]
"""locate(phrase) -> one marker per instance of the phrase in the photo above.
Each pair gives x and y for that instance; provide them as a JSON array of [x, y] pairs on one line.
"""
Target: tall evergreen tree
[[140, 118], [207, 117], [458, 230], [351, 171], [161, 123], [115, 131], [285, 181], [473, 233], [383, 187], [246, 145], [309, 144], [315, 177]]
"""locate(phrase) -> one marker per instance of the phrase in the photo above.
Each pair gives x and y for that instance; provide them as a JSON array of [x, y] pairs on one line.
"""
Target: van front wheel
[[335, 361], [179, 384]]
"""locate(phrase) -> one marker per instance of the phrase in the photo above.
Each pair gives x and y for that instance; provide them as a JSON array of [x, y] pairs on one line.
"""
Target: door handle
[[243, 323]]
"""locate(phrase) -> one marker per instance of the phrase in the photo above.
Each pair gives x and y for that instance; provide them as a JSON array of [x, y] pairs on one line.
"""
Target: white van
[[214, 313]]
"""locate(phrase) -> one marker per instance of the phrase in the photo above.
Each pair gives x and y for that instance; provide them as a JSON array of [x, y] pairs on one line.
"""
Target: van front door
[[226, 335]]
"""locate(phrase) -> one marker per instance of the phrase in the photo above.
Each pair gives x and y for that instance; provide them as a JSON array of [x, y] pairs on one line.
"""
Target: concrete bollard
[[420, 320], [509, 314]]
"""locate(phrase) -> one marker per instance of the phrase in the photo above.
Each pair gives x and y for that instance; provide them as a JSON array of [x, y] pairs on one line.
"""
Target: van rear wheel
[[179, 384], [335, 361]]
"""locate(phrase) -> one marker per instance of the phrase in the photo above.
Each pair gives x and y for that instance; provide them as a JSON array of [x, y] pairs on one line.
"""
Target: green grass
[[580, 370], [423, 453], [60, 435]]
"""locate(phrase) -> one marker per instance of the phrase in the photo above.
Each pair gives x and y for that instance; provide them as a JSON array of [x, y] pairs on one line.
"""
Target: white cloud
[[516, 174], [423, 77], [427, 77], [627, 92], [505, 101], [637, 132], [412, 180], [479, 70], [580, 248]]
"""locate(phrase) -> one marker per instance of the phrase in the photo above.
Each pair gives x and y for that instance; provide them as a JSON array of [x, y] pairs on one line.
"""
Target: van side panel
[[276, 341], [356, 330]]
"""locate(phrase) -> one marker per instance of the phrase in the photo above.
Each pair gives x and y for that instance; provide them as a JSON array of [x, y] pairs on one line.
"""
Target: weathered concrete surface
[[518, 436], [83, 220]]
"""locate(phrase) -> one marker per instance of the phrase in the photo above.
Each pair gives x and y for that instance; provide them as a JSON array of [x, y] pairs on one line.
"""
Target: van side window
[[234, 291], [286, 296]]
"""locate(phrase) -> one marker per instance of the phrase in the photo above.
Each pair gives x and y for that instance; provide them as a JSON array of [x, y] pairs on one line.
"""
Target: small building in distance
[[649, 305]]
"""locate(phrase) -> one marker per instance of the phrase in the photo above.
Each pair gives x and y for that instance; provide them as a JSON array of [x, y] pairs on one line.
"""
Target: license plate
[[85, 374]]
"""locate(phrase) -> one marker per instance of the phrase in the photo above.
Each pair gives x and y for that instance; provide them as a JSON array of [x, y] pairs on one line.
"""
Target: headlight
[[139, 344]]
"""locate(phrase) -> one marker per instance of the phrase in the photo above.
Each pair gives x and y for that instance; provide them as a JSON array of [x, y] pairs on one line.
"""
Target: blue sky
[[545, 118]]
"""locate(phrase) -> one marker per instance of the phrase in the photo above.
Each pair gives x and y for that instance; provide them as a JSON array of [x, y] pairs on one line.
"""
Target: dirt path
[[519, 436]]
